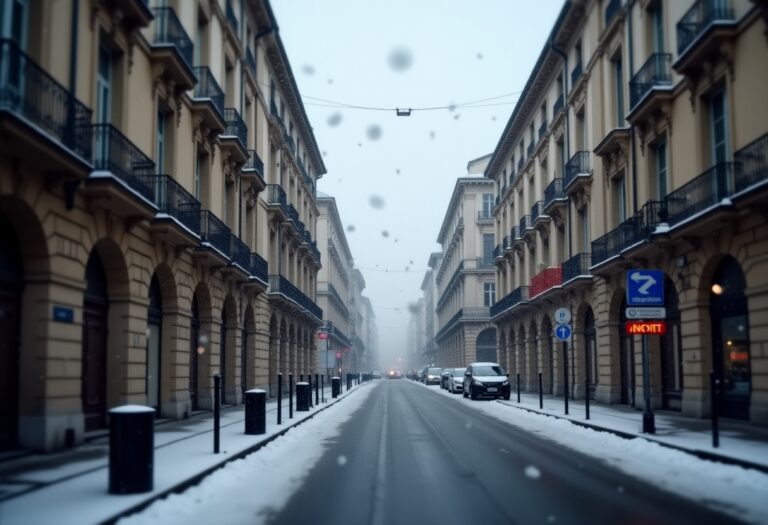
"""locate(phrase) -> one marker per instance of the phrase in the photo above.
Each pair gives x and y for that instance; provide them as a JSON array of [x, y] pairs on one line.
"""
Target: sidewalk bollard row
[[303, 397], [255, 412], [335, 387]]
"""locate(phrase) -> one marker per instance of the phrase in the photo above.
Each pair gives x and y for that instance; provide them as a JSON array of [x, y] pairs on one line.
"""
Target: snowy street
[[400, 452]]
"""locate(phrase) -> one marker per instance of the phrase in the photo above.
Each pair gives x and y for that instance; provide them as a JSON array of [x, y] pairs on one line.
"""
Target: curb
[[701, 454], [184, 484]]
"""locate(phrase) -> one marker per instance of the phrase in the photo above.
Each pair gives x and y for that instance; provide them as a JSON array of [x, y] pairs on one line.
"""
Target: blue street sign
[[645, 288], [563, 332]]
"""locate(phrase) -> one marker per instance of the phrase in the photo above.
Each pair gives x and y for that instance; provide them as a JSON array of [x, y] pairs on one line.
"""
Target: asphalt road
[[409, 456]]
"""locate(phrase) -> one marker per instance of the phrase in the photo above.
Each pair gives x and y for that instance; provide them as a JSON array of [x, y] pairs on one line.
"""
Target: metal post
[[322, 386], [279, 399], [649, 425], [317, 389], [541, 393], [518, 387], [714, 385], [216, 411], [290, 396], [586, 381], [565, 374], [309, 380]]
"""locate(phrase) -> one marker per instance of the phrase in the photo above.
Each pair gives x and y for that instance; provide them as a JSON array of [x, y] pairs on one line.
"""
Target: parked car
[[486, 380], [376, 375], [444, 378], [423, 373], [432, 376], [456, 380], [394, 373]]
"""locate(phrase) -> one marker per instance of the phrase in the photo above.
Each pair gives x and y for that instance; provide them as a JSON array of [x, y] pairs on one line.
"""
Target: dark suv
[[486, 380]]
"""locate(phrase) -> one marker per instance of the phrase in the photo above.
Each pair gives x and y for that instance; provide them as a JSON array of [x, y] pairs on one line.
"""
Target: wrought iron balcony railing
[[258, 267], [530, 149], [632, 231], [576, 266], [655, 72], [576, 73], [170, 31], [521, 163], [577, 165], [30, 92], [239, 253], [280, 285], [172, 199], [485, 215], [276, 195], [546, 279], [524, 223], [558, 105], [517, 232], [698, 18], [708, 189], [515, 297], [214, 232], [207, 87], [537, 211], [554, 191], [114, 152], [483, 263], [497, 251], [507, 242], [543, 129], [611, 10], [235, 126], [254, 163], [753, 160]]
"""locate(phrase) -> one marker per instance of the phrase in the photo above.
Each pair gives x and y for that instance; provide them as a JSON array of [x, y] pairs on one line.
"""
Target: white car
[[456, 380]]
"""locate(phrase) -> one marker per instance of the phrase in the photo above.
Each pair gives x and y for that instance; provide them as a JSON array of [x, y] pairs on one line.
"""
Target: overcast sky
[[417, 54]]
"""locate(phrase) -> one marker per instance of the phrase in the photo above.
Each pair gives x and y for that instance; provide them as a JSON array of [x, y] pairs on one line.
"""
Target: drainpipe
[[632, 137], [558, 50], [73, 47], [71, 185]]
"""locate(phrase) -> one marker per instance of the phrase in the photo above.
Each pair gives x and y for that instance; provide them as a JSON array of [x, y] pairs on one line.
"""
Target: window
[[618, 84], [487, 205], [718, 127], [201, 32], [657, 18], [489, 293], [14, 17], [660, 153], [619, 199], [488, 246], [160, 149], [104, 86], [584, 222]]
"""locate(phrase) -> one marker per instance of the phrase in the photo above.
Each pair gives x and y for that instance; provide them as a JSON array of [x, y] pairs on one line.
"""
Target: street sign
[[646, 327], [645, 288], [563, 332], [322, 335], [562, 316], [646, 312]]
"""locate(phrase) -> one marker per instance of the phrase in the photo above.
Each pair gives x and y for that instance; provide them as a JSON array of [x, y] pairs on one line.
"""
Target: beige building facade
[[157, 211], [640, 142], [465, 279]]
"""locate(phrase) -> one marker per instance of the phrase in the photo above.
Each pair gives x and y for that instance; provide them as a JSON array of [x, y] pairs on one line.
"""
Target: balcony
[[250, 65], [41, 120], [497, 250], [277, 201], [632, 231], [542, 129], [576, 74], [484, 263], [485, 216], [545, 280], [577, 172], [701, 32], [290, 143], [123, 177], [538, 216], [576, 268], [557, 106], [234, 138], [293, 216], [178, 220], [208, 99], [520, 164], [172, 48], [476, 313], [517, 297], [134, 13], [530, 150], [753, 160], [214, 237], [239, 255], [554, 196], [280, 287], [253, 170], [508, 240], [650, 87]]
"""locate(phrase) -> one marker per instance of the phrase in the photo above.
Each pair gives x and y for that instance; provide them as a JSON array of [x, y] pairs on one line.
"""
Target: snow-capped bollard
[[131, 449], [303, 396], [255, 412], [335, 386]]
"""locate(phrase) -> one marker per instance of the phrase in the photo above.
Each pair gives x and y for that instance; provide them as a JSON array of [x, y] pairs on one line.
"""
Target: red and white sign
[[322, 335], [646, 327]]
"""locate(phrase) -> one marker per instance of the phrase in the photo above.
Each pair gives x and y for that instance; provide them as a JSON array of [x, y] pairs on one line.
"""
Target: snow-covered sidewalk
[[734, 490], [71, 486]]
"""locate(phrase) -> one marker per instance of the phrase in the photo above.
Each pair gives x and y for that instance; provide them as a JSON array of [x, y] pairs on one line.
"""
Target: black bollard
[[317, 390], [565, 374], [255, 412], [131, 449], [279, 399], [322, 387], [586, 396], [518, 387], [541, 393], [335, 387], [303, 396], [714, 385], [290, 396], [216, 412], [309, 382]]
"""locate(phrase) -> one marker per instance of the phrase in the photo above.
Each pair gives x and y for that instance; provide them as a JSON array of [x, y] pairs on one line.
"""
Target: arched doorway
[[730, 338], [486, 345], [194, 352], [626, 359], [154, 343], [590, 350], [548, 356], [671, 352], [94, 340], [10, 320]]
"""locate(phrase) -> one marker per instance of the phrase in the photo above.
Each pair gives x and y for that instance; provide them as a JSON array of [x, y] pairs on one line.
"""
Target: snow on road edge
[[247, 490]]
